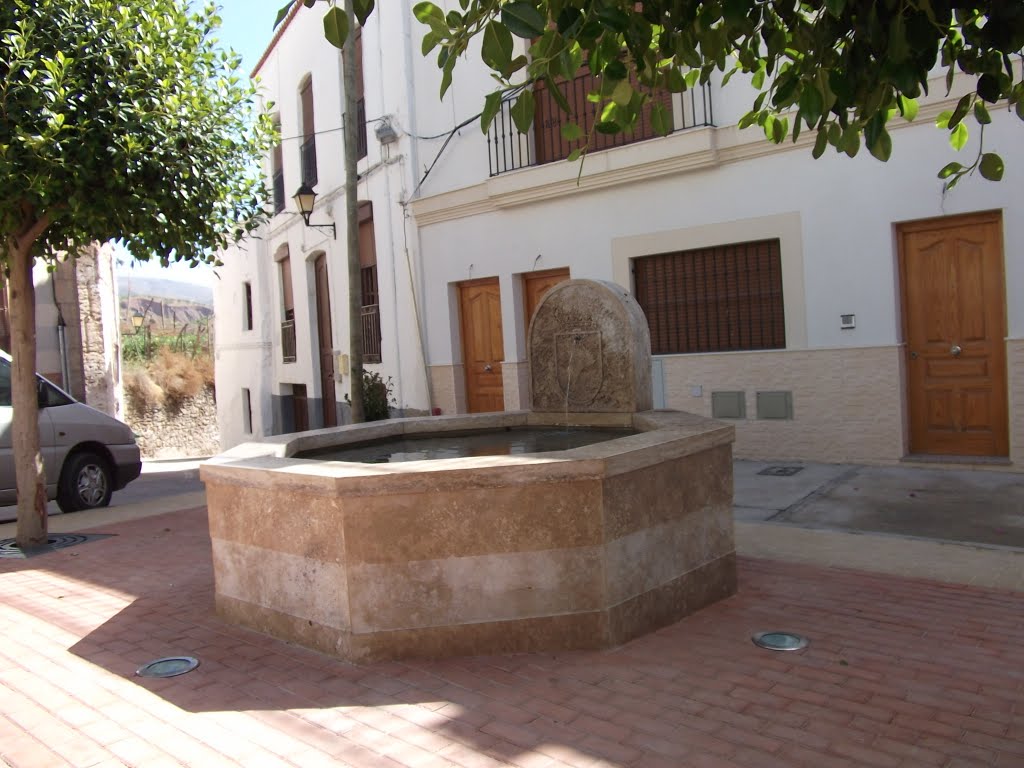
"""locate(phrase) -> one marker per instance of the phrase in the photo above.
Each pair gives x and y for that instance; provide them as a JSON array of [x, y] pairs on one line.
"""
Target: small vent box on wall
[[728, 405], [846, 322], [775, 405]]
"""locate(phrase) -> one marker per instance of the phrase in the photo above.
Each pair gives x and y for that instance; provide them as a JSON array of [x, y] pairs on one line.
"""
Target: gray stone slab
[[967, 506], [765, 492]]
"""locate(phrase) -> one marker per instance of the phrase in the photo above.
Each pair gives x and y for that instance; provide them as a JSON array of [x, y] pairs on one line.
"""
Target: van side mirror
[[41, 397]]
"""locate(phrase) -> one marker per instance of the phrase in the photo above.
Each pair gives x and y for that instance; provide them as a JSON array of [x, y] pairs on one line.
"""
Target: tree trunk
[[28, 462], [355, 283]]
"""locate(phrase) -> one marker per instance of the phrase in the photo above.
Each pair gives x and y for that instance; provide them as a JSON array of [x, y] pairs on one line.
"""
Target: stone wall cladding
[[847, 403], [186, 430]]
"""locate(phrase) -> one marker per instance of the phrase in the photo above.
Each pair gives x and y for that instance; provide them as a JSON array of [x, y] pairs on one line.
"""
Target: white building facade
[[834, 310]]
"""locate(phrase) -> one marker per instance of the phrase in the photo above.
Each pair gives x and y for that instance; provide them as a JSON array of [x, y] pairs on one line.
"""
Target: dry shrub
[[204, 366], [177, 375], [143, 392]]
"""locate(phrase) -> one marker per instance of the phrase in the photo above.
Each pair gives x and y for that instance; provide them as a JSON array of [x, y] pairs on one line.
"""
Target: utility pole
[[355, 283]]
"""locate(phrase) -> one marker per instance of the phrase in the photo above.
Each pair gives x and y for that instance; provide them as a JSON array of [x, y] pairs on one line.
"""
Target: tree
[[118, 120], [841, 68]]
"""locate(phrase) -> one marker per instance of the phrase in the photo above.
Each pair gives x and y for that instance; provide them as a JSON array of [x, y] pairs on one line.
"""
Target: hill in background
[[161, 288], [166, 304]]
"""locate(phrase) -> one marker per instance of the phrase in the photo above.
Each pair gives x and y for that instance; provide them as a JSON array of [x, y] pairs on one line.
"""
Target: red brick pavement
[[899, 673]]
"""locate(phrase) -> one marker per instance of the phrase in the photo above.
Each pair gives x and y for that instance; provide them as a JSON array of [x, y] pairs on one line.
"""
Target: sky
[[246, 26]]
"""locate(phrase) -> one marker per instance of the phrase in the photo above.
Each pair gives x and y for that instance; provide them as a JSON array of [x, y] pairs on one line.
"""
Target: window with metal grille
[[721, 299], [277, 169], [370, 313]]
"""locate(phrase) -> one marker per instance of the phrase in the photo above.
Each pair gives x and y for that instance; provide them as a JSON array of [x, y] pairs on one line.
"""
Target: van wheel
[[85, 483]]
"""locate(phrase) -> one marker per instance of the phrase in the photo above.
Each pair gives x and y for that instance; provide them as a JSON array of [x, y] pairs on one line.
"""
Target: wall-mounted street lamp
[[137, 319], [304, 199]]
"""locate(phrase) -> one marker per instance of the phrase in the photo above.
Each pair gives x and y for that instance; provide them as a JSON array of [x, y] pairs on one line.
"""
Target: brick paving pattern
[[900, 672]]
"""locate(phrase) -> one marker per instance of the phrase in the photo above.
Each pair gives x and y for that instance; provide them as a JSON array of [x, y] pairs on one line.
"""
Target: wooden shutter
[[719, 299], [307, 108], [286, 288]]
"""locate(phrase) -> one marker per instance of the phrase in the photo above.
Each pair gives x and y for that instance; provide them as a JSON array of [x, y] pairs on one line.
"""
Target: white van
[[87, 455]]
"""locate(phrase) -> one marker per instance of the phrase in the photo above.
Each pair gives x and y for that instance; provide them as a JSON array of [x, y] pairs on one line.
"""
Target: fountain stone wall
[[589, 351], [582, 548]]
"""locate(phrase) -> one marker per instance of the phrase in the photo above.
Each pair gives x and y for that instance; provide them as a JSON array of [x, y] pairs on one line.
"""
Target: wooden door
[[536, 284], [325, 341], [954, 325], [482, 344]]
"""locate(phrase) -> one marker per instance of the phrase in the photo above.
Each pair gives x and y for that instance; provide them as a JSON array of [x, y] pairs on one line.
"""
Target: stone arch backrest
[[589, 351]]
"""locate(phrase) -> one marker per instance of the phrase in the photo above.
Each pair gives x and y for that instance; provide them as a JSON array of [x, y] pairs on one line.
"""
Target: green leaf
[[949, 169], [908, 108], [835, 7], [758, 79], [622, 93], [429, 14], [446, 75], [608, 127], [988, 86], [575, 155], [811, 103], [981, 113], [492, 103], [661, 119], [882, 146], [555, 92], [281, 14], [1020, 108], [942, 119], [522, 111], [958, 137], [961, 110], [820, 143], [336, 27], [430, 41], [991, 166], [496, 49], [522, 19], [571, 132], [363, 9]]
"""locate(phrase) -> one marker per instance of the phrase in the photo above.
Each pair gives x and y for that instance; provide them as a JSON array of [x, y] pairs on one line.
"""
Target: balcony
[[307, 154], [279, 199], [370, 316], [509, 150], [288, 341]]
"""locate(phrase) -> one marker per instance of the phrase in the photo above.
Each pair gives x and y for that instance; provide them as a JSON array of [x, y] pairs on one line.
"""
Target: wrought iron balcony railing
[[509, 150]]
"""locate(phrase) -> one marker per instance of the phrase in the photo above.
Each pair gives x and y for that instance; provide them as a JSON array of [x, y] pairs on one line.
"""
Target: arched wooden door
[[483, 348]]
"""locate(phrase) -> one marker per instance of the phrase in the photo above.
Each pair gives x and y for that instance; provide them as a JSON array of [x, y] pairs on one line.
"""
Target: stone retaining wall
[[185, 430]]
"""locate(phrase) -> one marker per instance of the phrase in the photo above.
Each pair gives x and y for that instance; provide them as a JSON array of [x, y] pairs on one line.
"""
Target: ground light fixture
[[304, 198], [780, 641], [171, 666]]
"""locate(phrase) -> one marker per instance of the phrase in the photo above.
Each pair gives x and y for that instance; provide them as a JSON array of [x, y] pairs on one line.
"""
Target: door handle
[[955, 350], [488, 368], [913, 355]]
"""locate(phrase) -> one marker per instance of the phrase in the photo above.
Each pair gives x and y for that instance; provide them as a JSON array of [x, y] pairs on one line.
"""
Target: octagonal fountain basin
[[580, 548]]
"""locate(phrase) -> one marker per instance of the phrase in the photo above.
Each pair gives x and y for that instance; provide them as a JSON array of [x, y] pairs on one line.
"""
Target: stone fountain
[[581, 548]]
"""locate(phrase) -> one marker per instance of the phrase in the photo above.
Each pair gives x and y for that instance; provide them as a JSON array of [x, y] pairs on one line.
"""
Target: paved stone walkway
[[900, 672]]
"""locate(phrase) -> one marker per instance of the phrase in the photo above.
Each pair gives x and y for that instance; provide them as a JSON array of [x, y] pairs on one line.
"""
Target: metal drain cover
[[780, 471], [172, 666], [9, 547], [780, 641]]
